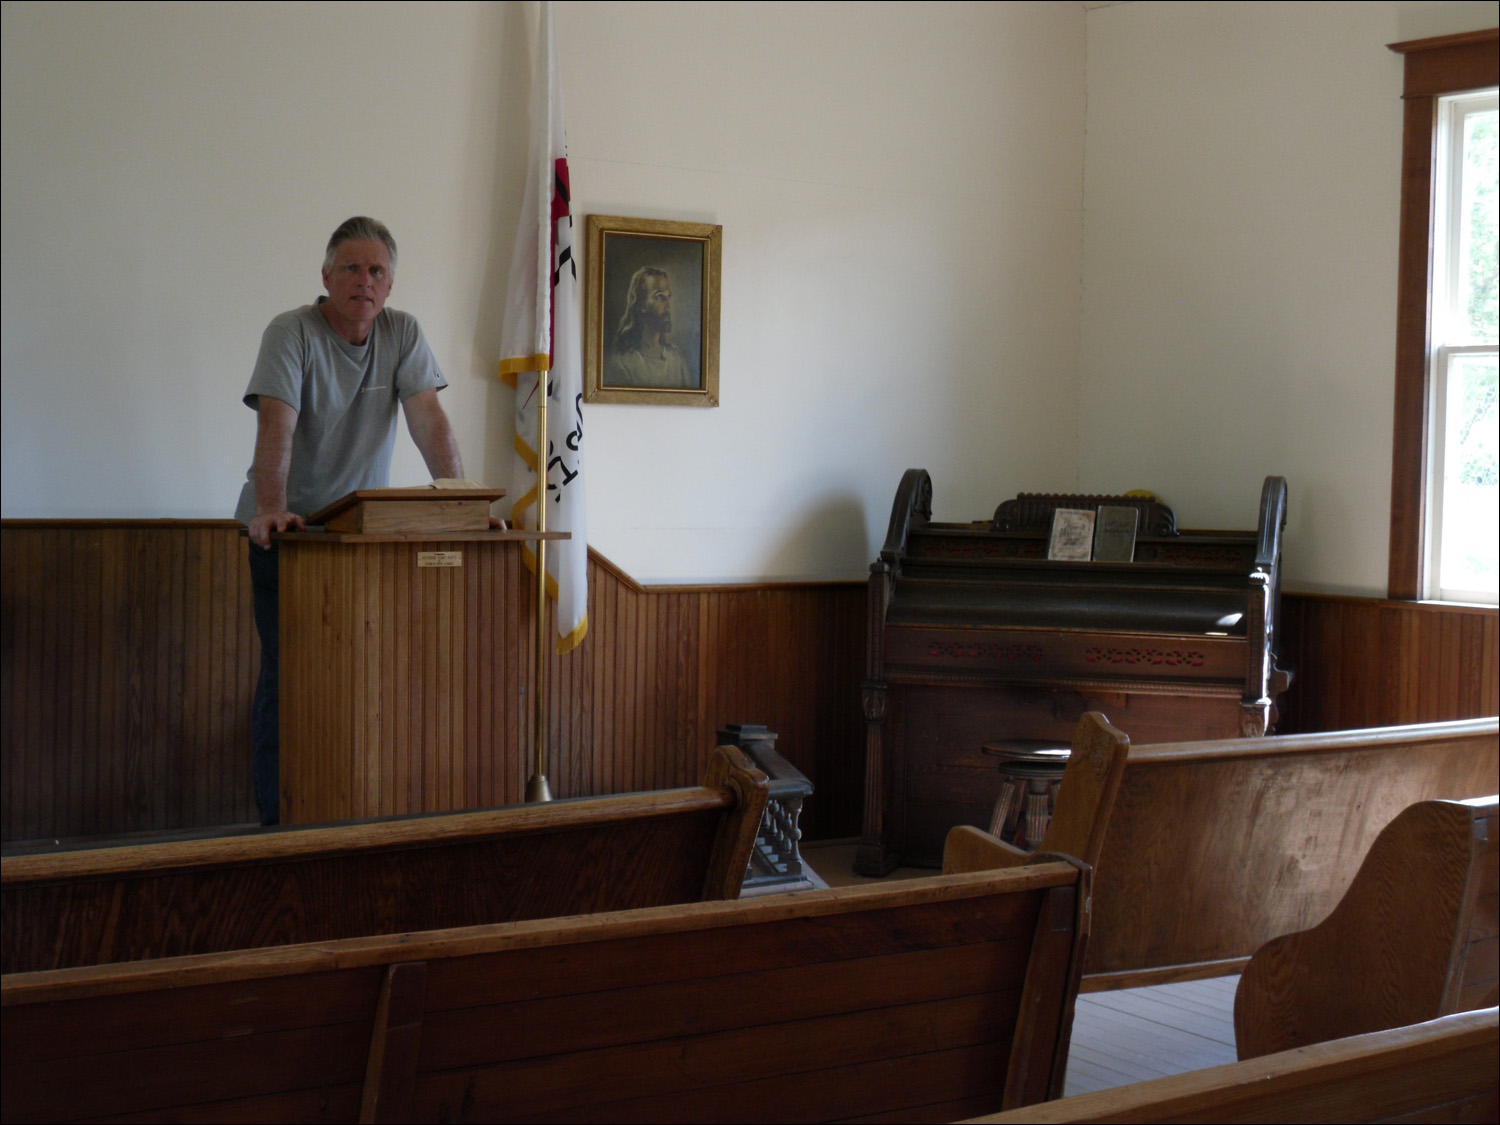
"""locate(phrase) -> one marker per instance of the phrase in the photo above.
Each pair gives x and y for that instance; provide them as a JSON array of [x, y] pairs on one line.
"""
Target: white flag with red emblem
[[542, 333]]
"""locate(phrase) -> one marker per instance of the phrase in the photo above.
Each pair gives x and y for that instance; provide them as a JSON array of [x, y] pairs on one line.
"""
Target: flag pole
[[537, 789]]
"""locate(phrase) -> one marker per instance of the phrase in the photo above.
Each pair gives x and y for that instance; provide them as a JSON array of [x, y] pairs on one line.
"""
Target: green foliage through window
[[1484, 251]]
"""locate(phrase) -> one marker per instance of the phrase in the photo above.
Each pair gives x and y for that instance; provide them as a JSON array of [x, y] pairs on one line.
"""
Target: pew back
[[1438, 1071], [383, 877], [935, 997], [1413, 939], [1214, 848], [1085, 799]]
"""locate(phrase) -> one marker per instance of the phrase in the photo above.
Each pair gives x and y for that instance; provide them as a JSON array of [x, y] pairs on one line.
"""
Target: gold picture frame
[[651, 311]]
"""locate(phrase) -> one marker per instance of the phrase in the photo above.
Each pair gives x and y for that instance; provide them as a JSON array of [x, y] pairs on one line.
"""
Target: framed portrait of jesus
[[651, 311]]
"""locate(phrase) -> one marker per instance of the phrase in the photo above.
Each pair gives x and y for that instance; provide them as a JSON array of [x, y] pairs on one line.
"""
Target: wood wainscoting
[[130, 656], [1368, 662], [129, 659], [127, 662]]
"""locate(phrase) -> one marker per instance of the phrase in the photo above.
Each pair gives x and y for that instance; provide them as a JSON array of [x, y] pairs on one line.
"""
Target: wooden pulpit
[[389, 638]]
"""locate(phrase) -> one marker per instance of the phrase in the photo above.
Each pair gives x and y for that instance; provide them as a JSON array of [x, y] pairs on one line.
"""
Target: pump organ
[[976, 637]]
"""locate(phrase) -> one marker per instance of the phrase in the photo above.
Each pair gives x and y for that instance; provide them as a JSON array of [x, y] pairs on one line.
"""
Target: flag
[[541, 333]]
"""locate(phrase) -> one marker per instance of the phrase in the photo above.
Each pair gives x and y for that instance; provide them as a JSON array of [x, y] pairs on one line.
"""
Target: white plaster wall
[[170, 175], [1242, 190], [900, 187], [900, 191]]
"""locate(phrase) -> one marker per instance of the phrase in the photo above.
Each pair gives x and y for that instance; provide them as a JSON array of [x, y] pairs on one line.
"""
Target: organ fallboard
[[977, 637]]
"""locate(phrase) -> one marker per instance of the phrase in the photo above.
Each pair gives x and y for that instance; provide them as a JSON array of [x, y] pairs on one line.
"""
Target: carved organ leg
[[873, 857], [1255, 718]]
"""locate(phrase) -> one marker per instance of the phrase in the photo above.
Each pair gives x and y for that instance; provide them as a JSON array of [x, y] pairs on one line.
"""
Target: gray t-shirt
[[345, 398]]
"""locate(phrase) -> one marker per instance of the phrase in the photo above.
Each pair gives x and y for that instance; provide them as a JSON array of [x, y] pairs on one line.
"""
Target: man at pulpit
[[325, 389]]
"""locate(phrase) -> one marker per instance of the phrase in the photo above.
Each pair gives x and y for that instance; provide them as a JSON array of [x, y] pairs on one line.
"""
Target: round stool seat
[[1030, 772]]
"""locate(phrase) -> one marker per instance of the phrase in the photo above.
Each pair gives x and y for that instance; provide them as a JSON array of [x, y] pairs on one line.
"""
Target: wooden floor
[[1138, 1033], [1119, 1037]]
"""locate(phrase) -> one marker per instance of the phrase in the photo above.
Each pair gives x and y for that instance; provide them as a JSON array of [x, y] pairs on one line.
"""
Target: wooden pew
[[382, 877], [1085, 800], [1414, 938], [1214, 848], [925, 999], [1443, 1070]]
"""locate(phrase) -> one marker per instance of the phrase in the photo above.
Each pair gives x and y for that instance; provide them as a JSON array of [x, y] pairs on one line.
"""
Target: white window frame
[[1449, 335]]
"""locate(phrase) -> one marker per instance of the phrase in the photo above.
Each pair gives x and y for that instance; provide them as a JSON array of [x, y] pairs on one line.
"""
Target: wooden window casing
[[1449, 64]]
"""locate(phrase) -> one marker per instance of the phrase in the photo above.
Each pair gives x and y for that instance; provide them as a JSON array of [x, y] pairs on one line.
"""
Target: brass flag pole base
[[537, 789]]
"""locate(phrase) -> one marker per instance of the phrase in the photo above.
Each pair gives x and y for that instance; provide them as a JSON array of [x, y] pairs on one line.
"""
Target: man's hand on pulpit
[[265, 523]]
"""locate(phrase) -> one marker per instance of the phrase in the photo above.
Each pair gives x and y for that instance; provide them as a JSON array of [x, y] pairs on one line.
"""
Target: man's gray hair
[[361, 226]]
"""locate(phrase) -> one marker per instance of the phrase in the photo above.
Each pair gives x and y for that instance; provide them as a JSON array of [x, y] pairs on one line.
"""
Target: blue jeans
[[265, 717]]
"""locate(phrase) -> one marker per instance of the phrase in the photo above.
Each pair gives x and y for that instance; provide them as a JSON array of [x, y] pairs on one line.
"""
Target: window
[[1462, 535], [1443, 480]]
